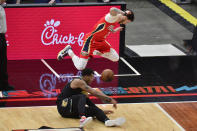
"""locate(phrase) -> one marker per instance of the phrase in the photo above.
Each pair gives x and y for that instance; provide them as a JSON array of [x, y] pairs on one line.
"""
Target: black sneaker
[[63, 52]]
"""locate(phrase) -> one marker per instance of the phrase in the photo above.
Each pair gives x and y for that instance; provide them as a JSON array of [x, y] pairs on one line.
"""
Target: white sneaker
[[106, 0], [116, 122], [84, 121], [1, 94], [63, 52]]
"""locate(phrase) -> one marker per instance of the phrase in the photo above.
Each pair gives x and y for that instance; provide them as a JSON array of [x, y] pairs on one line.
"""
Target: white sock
[[80, 63], [71, 53]]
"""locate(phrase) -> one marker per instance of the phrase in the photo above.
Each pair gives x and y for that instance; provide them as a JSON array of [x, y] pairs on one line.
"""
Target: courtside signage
[[41, 32]]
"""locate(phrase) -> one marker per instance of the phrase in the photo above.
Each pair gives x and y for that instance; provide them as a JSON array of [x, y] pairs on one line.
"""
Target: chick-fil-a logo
[[48, 82], [50, 36]]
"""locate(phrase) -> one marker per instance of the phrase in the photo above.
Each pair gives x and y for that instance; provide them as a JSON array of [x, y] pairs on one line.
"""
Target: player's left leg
[[95, 111], [101, 116], [111, 55], [104, 49]]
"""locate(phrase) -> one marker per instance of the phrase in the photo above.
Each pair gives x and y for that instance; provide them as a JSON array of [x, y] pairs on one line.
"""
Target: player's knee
[[114, 55], [80, 67], [81, 64]]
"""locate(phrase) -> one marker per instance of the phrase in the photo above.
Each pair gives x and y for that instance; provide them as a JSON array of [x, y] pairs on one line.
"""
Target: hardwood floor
[[139, 117], [184, 113]]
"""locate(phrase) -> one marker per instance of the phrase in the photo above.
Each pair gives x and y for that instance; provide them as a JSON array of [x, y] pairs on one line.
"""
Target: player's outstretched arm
[[118, 29], [96, 93]]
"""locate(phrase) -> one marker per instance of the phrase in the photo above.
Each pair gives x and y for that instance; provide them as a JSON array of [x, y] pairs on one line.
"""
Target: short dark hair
[[131, 16], [87, 72]]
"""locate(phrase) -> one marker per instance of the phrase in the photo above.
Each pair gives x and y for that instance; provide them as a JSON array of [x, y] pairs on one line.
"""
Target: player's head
[[88, 75], [128, 17]]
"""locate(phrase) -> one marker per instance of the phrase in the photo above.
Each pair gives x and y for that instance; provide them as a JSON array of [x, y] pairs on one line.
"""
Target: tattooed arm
[[115, 11], [117, 29]]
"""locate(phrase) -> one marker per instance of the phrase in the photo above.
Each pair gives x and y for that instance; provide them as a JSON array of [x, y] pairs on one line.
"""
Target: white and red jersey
[[95, 40], [103, 27]]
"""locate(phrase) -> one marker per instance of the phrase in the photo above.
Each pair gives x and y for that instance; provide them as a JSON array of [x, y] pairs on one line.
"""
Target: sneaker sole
[[87, 121], [116, 122], [59, 57], [120, 121]]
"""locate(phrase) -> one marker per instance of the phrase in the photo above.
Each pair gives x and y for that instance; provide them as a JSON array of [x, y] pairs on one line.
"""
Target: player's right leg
[[79, 102], [80, 63], [101, 116], [84, 121]]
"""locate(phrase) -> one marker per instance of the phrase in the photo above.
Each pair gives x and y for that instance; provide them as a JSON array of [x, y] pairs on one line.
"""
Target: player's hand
[[114, 102], [108, 111], [51, 2], [118, 29], [128, 12]]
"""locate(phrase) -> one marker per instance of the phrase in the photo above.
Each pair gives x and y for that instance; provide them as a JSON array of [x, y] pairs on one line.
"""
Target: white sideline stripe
[[157, 105], [51, 69], [67, 76], [4, 108], [126, 75], [96, 73], [100, 75], [131, 67]]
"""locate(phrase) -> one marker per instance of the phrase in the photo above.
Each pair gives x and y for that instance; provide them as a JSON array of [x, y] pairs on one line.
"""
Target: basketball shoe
[[84, 121], [63, 52], [116, 122]]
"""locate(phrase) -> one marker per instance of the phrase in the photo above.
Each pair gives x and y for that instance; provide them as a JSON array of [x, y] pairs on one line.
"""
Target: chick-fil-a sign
[[50, 37], [41, 32]]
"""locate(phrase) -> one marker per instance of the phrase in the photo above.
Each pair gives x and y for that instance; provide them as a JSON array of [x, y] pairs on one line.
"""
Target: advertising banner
[[41, 32]]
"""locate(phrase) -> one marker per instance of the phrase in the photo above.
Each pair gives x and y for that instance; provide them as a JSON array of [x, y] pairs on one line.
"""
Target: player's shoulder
[[78, 81], [111, 19]]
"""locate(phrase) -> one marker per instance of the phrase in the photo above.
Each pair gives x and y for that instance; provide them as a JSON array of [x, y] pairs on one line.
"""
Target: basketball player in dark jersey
[[72, 103]]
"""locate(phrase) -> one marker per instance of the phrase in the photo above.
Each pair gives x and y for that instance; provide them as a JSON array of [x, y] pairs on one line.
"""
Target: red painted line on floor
[[156, 95], [28, 99], [93, 97]]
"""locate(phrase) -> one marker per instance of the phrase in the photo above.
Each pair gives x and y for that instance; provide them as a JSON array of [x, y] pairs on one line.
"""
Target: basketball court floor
[[154, 93]]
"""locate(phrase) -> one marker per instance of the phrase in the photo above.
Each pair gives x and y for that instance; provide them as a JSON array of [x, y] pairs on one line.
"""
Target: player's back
[[102, 29], [67, 91]]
